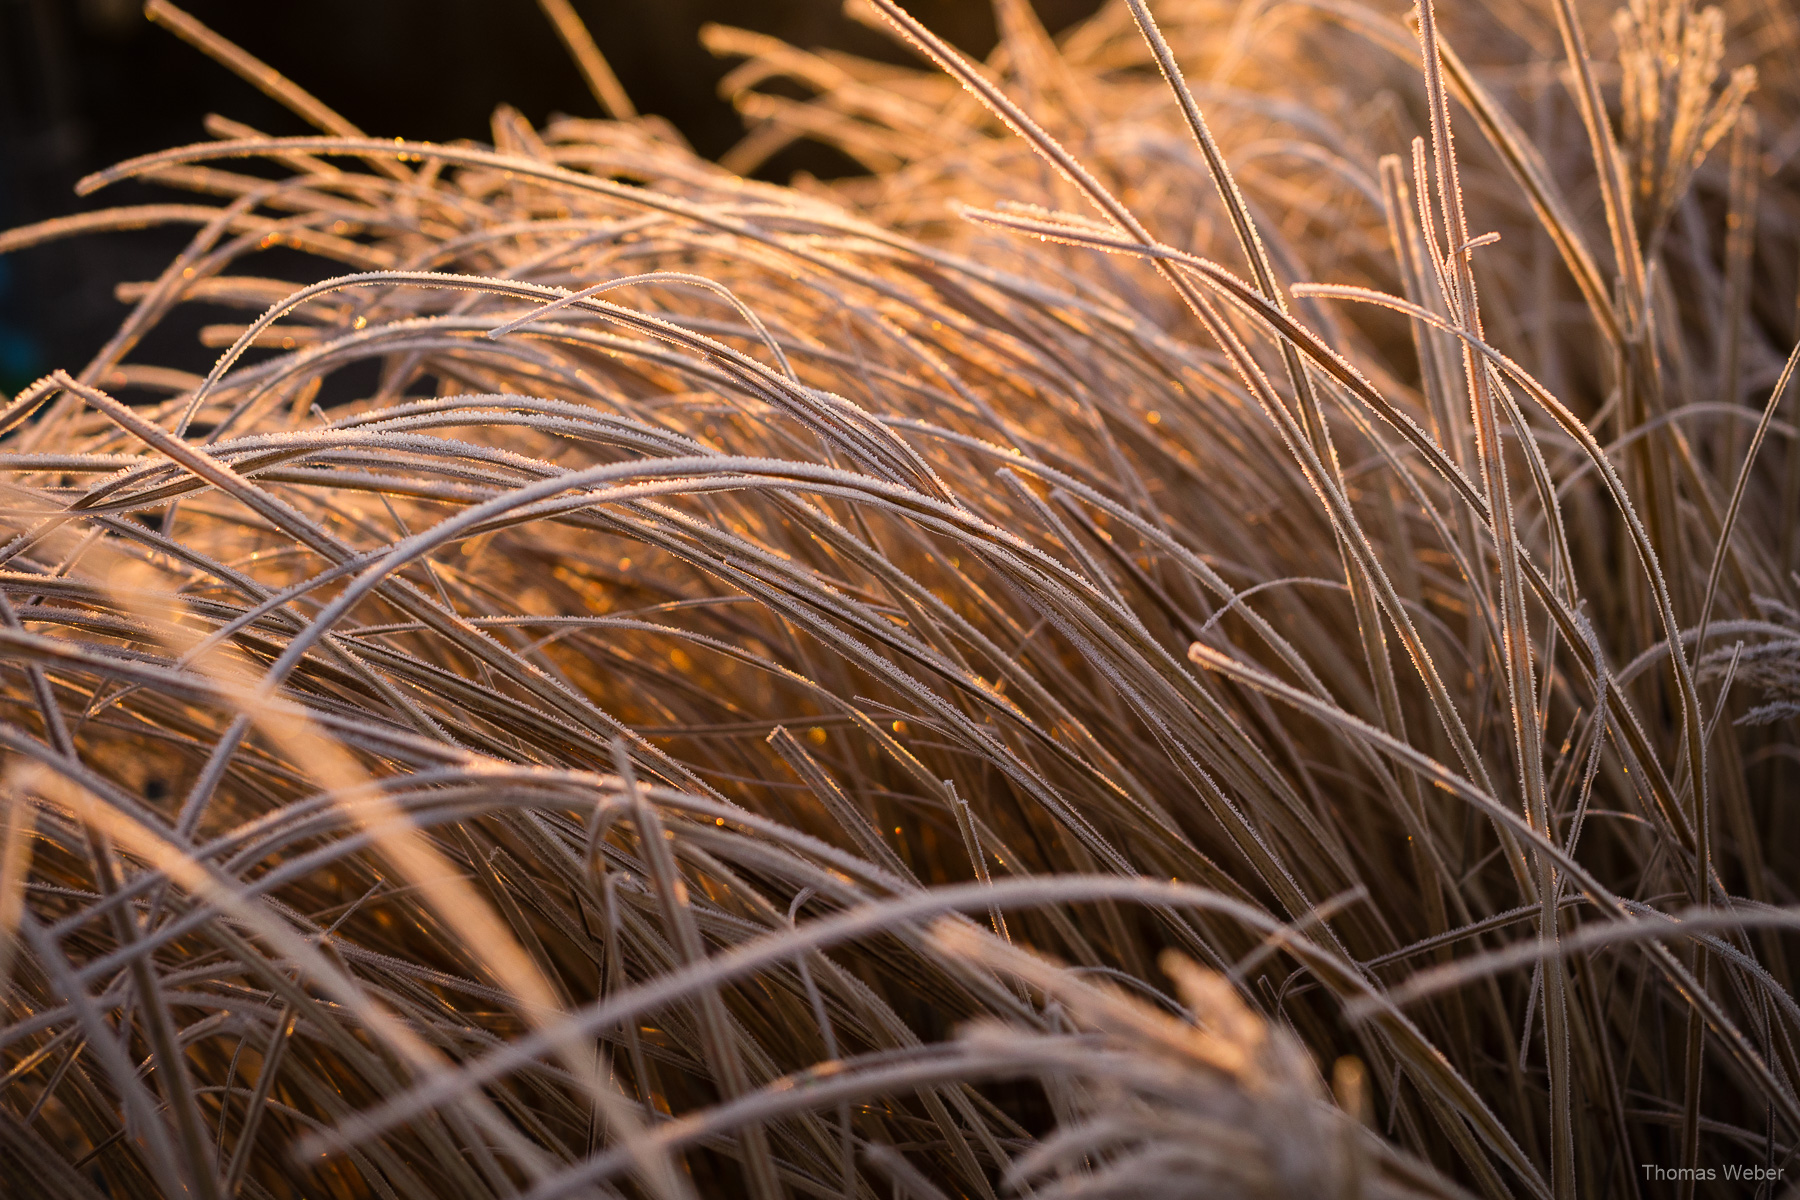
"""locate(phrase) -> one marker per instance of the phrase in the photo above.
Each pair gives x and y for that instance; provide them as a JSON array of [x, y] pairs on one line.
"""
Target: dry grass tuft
[[1227, 559]]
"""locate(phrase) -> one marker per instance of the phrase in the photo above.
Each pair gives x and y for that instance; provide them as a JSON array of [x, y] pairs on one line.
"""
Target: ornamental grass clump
[[1223, 621]]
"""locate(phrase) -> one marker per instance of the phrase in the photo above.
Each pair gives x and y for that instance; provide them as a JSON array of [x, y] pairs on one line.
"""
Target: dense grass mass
[[1223, 622]]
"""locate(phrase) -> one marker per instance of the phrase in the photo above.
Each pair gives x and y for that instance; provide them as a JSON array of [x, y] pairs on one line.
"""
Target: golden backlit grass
[[1223, 622]]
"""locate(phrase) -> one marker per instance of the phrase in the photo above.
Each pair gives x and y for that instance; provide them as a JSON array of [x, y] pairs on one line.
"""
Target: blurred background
[[85, 83]]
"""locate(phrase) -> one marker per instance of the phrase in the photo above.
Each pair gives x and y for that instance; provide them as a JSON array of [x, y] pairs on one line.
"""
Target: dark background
[[85, 83]]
